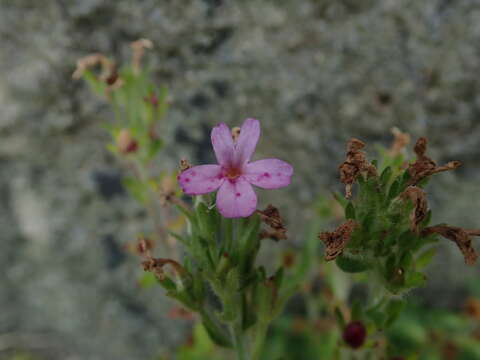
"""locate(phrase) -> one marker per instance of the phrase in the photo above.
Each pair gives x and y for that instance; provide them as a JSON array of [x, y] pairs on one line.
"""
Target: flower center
[[233, 173]]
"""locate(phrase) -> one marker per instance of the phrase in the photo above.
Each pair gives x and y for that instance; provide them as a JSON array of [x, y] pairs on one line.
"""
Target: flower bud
[[126, 143], [354, 334]]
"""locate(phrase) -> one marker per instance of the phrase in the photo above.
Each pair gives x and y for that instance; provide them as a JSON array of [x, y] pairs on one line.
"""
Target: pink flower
[[234, 174]]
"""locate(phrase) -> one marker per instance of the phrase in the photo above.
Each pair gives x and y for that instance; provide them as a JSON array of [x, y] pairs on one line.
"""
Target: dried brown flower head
[[155, 266], [461, 237], [472, 308], [184, 165], [126, 144], [336, 241], [354, 165], [108, 70], [400, 141], [271, 217], [167, 190], [420, 209], [138, 48], [275, 235], [424, 166]]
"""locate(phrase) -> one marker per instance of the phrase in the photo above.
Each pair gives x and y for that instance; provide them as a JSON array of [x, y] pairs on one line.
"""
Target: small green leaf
[[350, 211], [415, 279], [425, 258], [148, 280], [340, 318], [393, 311], [350, 265], [394, 190], [386, 175]]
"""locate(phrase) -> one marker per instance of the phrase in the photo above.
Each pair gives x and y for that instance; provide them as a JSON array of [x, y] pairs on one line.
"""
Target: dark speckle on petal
[[238, 194]]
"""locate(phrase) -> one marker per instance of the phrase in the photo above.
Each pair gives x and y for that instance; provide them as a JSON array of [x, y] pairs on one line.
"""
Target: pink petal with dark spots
[[247, 141], [269, 173], [236, 198], [222, 144], [201, 179]]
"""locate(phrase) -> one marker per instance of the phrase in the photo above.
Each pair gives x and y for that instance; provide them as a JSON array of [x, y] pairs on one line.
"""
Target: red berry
[[354, 334]]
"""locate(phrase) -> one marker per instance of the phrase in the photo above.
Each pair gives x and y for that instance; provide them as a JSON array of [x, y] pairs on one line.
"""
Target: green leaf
[[350, 265], [425, 258], [148, 280], [393, 311], [215, 332], [385, 176], [340, 318], [154, 147], [350, 211], [395, 189], [415, 279], [136, 188]]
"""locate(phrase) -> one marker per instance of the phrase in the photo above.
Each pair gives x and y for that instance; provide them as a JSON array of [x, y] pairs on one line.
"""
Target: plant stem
[[259, 340], [238, 341]]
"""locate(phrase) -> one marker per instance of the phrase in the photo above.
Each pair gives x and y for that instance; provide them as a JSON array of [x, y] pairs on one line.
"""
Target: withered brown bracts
[[419, 212], [462, 237], [155, 266], [400, 141], [336, 241], [424, 166], [355, 164], [271, 217]]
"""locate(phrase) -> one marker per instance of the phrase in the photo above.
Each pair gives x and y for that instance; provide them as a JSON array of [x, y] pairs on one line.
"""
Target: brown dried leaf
[[355, 164], [461, 237], [155, 266], [424, 166], [271, 216], [419, 200], [336, 241]]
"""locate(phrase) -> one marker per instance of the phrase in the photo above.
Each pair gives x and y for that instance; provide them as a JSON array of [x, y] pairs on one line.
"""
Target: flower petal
[[236, 199], [201, 179], [247, 141], [222, 144], [269, 173]]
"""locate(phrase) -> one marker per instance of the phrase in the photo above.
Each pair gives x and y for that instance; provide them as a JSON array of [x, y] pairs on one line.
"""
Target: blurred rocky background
[[315, 72]]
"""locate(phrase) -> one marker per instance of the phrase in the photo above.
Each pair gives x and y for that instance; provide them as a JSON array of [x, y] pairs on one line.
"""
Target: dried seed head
[[419, 200], [459, 236], [355, 164], [336, 241], [424, 166]]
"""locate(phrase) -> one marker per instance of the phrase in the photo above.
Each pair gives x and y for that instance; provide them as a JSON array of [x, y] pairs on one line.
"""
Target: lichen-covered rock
[[316, 73]]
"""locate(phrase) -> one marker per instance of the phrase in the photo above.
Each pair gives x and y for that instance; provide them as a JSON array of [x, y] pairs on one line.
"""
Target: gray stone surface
[[315, 72]]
